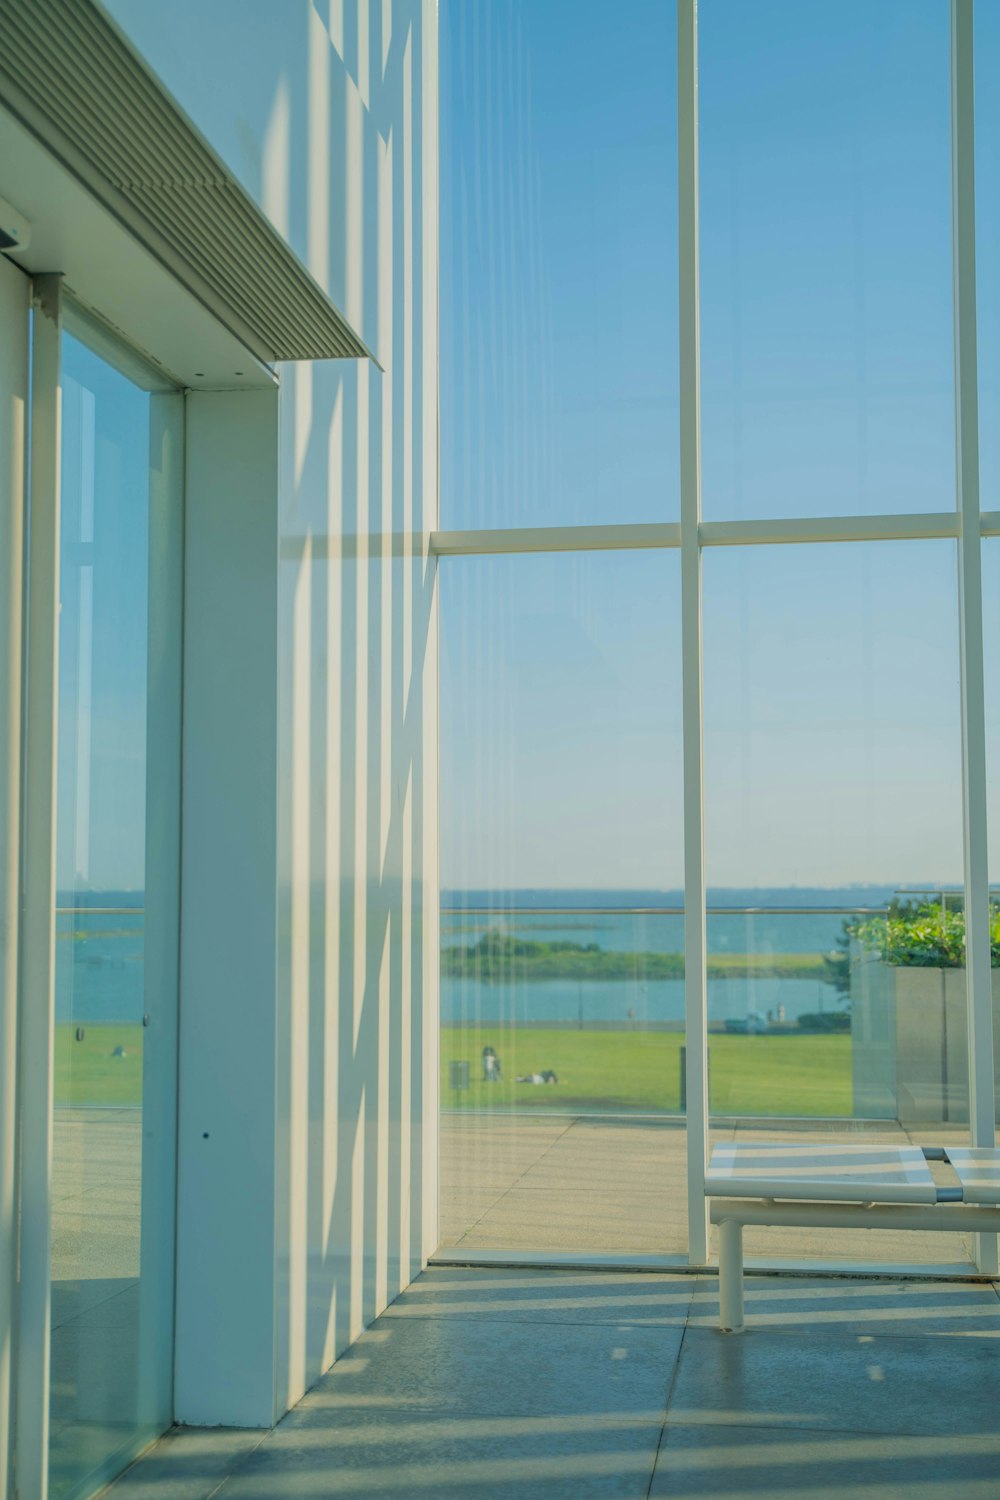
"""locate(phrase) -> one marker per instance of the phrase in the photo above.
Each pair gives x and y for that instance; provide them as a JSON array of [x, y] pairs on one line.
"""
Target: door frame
[[53, 315]]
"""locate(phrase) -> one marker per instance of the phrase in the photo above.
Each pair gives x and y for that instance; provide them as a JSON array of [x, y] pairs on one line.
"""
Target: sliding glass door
[[116, 913]]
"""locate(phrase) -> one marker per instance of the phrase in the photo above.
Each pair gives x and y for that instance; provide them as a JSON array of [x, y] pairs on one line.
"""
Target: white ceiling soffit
[[76, 85]]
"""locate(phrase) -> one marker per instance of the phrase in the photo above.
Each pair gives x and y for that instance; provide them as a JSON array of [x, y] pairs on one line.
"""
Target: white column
[[14, 291], [696, 1000], [970, 590], [37, 979], [162, 920], [226, 1190]]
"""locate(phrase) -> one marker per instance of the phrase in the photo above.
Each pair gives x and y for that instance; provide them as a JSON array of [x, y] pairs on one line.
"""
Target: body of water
[[100, 973], [769, 929], [99, 958], [656, 1002]]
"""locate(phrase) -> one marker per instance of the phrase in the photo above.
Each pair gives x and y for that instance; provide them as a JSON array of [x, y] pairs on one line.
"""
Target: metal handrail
[[102, 911], [659, 911]]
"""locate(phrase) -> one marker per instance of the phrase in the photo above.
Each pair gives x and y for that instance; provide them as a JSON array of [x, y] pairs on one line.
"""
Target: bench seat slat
[[835, 1173], [978, 1170]]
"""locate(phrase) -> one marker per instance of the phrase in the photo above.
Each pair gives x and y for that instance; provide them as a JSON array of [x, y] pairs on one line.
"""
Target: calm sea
[[99, 954]]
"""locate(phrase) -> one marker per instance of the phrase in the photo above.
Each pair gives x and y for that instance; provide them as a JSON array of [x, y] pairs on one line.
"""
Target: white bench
[[816, 1186]]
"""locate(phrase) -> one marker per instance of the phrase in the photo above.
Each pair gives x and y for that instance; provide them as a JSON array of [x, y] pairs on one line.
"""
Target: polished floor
[[547, 1385]]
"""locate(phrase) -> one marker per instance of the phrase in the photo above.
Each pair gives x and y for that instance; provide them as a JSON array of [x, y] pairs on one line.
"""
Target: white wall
[[329, 118], [358, 749], [299, 99]]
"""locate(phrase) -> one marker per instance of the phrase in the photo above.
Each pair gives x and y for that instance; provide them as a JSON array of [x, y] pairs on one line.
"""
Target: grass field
[[634, 1070], [598, 1070], [87, 1073]]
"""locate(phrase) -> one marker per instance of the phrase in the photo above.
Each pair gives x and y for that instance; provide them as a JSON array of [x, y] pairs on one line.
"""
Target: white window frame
[[966, 524], [52, 316]]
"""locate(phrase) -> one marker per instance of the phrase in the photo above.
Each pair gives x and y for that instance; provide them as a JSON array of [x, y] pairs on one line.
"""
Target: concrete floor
[[524, 1183], [547, 1385]]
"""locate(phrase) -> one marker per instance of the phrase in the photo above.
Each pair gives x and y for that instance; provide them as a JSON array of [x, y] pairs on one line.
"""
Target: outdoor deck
[[561, 1183]]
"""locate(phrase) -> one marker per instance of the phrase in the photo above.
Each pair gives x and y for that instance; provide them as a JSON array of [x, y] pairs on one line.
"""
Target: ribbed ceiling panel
[[74, 83]]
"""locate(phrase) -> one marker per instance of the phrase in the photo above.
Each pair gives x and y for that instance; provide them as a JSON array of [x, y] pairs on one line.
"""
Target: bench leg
[[731, 1276]]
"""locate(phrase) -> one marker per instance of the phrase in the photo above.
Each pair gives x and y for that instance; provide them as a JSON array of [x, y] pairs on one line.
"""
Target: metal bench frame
[[948, 1211]]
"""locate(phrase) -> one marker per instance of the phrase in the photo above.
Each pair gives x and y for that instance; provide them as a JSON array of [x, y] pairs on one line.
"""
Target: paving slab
[[523, 1220], [94, 1373], [764, 1463], [500, 1369], [188, 1463], [541, 1297], [620, 1185], [547, 1385], [467, 1458], [888, 1247], [845, 1383], [889, 1309], [104, 1299]]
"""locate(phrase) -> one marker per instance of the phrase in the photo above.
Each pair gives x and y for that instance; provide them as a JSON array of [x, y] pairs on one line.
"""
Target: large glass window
[[562, 979], [991, 628], [558, 263], [116, 933], [988, 249], [834, 848], [826, 300], [831, 687]]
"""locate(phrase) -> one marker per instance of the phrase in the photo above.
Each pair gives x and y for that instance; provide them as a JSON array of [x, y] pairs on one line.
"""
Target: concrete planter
[[909, 1046]]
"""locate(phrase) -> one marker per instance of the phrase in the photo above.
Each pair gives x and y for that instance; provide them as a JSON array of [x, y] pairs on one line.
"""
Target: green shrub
[[825, 1020], [911, 935]]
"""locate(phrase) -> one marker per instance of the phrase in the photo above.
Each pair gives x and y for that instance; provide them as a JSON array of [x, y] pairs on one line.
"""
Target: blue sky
[[831, 698], [101, 796], [831, 673]]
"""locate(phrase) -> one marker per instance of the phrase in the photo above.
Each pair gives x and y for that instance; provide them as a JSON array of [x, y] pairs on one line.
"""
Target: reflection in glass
[[110, 1383], [833, 810], [562, 994]]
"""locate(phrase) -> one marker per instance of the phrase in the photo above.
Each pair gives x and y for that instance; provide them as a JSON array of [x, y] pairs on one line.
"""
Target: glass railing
[[99, 1004], [579, 1009], [833, 1012], [563, 1053]]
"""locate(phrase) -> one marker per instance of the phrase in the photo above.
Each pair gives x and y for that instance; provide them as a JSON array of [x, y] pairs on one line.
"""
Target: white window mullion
[[695, 988], [977, 909], [14, 288], [37, 972]]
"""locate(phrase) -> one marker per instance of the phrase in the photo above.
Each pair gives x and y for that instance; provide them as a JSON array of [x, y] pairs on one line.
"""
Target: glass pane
[[987, 44], [558, 263], [562, 995], [991, 627], [111, 1292], [826, 297], [834, 854]]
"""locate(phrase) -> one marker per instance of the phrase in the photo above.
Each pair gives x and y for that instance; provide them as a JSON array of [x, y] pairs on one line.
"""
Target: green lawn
[[598, 1070], [635, 1070], [87, 1073]]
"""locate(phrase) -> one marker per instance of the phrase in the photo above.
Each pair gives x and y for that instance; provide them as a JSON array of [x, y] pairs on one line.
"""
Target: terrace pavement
[[563, 1183]]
